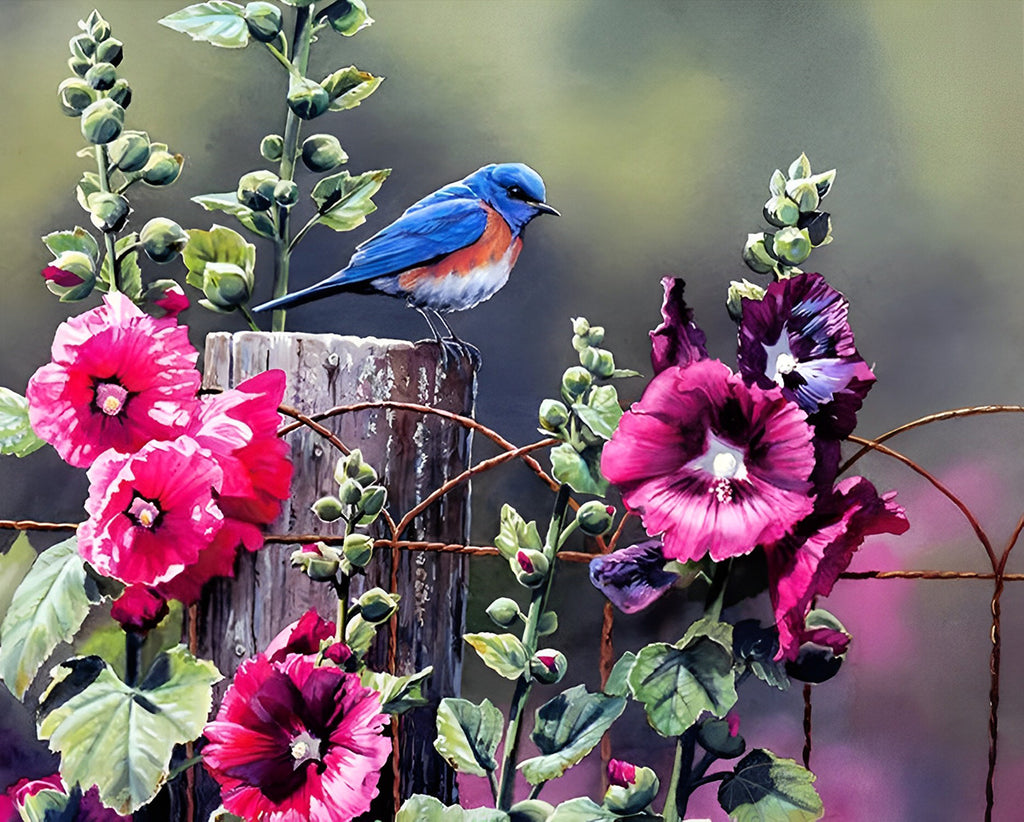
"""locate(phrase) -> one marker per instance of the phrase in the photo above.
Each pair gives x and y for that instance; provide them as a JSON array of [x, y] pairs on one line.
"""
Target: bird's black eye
[[516, 193]]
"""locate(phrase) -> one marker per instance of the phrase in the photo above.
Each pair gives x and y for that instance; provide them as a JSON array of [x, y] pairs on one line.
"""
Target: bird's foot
[[453, 351]]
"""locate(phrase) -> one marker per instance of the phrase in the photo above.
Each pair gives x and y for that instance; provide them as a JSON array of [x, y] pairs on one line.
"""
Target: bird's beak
[[544, 208]]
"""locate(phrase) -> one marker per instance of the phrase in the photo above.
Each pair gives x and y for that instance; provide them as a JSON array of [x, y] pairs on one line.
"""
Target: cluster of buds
[[793, 209]]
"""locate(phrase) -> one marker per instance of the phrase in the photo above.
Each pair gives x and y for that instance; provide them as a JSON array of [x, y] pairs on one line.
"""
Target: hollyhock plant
[[799, 338], [295, 741], [634, 577], [118, 379], [713, 465]]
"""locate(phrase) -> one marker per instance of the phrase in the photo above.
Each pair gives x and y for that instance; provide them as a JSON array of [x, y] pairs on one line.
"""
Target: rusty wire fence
[[998, 556]]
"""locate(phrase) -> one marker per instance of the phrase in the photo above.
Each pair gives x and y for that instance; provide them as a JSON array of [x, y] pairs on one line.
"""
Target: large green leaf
[[16, 434], [118, 737], [502, 653], [217, 22], [677, 683], [348, 87], [586, 810], [580, 471], [48, 608], [218, 245], [515, 533], [422, 808], [767, 788], [601, 412], [343, 201], [566, 729], [618, 679], [468, 735], [256, 221], [397, 693], [78, 239], [130, 280], [14, 565]]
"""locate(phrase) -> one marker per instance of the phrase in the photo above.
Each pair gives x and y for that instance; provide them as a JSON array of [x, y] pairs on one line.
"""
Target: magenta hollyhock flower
[[295, 741], [807, 563], [621, 773], [151, 513], [799, 338], [303, 637], [173, 300], [118, 379], [58, 276], [634, 577], [711, 464]]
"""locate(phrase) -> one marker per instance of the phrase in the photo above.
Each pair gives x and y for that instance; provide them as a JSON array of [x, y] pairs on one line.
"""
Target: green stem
[[538, 603], [280, 57], [108, 236], [282, 251], [671, 813], [342, 590], [184, 766], [716, 593], [249, 318], [133, 642]]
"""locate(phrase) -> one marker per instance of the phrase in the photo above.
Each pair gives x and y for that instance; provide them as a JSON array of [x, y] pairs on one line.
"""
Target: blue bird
[[448, 252]]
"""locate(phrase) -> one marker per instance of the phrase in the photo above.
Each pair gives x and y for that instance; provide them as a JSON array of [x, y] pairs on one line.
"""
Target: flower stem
[[342, 590], [716, 593], [679, 786], [249, 318], [524, 684], [108, 236], [133, 642]]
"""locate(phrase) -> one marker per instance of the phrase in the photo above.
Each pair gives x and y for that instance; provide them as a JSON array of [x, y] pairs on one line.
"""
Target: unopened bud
[[263, 21], [79, 65], [348, 17], [286, 193], [102, 121], [98, 27], [75, 95], [504, 612], [548, 666], [823, 182], [580, 326], [529, 566], [82, 46], [226, 286], [350, 491], [738, 291], [594, 518], [791, 245], [322, 152], [319, 562], [162, 168], [101, 76], [756, 255], [108, 211], [575, 382], [371, 503], [804, 193], [632, 788], [377, 606], [553, 415], [819, 227], [162, 239], [781, 211], [272, 147], [256, 189], [110, 51], [328, 509], [130, 151], [307, 99], [77, 266], [358, 549], [121, 93], [598, 361]]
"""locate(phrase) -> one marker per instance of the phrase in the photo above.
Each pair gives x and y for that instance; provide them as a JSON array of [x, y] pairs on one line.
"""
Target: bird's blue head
[[514, 190]]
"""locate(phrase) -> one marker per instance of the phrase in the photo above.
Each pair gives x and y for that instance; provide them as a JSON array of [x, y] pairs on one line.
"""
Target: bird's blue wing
[[427, 231]]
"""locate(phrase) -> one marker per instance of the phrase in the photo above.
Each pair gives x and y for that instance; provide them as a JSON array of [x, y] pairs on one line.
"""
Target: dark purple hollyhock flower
[[798, 337], [634, 577], [678, 340]]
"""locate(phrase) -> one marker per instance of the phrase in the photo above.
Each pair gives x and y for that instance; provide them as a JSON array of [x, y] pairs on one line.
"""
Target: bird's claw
[[453, 350]]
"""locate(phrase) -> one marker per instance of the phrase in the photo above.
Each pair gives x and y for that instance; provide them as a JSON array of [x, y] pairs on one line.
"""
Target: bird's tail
[[306, 295]]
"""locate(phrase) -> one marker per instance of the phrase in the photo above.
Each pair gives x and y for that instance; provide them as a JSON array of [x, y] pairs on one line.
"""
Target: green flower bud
[[781, 211], [575, 382], [162, 239], [819, 227], [598, 361], [633, 798], [548, 666], [377, 606], [596, 335], [804, 193], [130, 151], [529, 566], [307, 98], [823, 182], [756, 255], [108, 211], [594, 517], [348, 17], [162, 168], [101, 76], [102, 121], [98, 28], [121, 93], [79, 65], [322, 152], [350, 491], [110, 51], [580, 326], [372, 503], [547, 624], [553, 415], [319, 562], [75, 96], [75, 262], [531, 810], [504, 612], [800, 167], [717, 737], [353, 467], [286, 193], [272, 147], [358, 549], [82, 46], [328, 509], [792, 245], [256, 189], [263, 21], [226, 286], [737, 292]]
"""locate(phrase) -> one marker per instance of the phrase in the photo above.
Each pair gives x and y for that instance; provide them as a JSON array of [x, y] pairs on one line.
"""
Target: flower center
[[304, 747], [110, 398], [145, 512], [724, 462], [780, 361]]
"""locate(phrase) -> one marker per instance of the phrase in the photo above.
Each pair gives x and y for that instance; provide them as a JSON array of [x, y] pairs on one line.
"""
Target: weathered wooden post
[[414, 454]]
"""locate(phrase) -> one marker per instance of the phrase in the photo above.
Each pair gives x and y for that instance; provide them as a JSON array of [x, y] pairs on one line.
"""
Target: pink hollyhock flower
[[807, 563], [85, 807], [118, 379], [173, 300], [303, 637], [712, 465], [621, 773], [295, 741], [151, 513]]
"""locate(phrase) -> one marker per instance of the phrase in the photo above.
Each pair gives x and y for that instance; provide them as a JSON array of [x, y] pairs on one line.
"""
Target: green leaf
[[468, 735], [258, 222], [87, 186], [131, 275], [618, 679], [586, 810], [581, 472], [221, 245], [422, 808], [777, 183], [48, 805], [397, 693], [217, 22], [566, 729], [120, 737], [359, 635], [677, 683], [348, 87], [764, 788], [502, 653], [620, 373], [601, 412], [47, 608], [14, 565], [515, 533], [78, 239], [343, 201], [16, 434]]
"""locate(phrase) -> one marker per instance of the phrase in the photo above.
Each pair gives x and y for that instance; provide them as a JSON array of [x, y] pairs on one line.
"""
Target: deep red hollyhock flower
[[303, 637], [293, 741], [621, 773], [118, 379]]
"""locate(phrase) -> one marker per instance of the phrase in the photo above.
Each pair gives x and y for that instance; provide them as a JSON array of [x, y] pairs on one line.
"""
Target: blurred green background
[[655, 125]]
